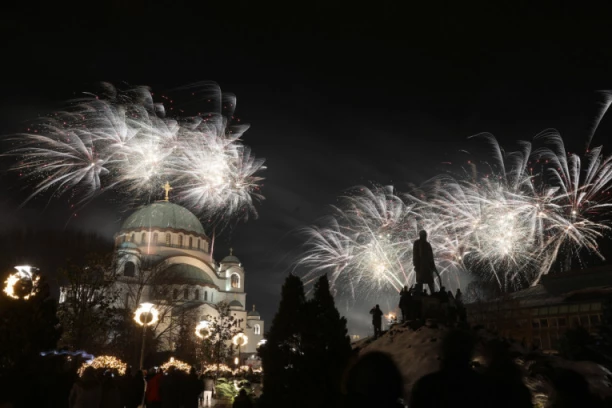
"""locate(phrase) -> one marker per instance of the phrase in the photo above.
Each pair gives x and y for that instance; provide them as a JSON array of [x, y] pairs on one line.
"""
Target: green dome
[[163, 214], [184, 273], [235, 303]]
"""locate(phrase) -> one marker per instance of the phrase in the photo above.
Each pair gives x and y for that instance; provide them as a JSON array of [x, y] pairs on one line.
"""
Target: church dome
[[164, 215], [188, 274], [230, 258]]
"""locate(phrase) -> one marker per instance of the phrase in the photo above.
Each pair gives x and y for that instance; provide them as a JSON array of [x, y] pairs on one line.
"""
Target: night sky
[[337, 94]]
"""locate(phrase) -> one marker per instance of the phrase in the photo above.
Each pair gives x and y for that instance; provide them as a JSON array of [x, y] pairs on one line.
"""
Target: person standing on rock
[[404, 303], [377, 315], [423, 261]]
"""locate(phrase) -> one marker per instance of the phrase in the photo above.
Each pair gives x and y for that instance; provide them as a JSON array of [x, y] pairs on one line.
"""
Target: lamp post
[[145, 315], [240, 340]]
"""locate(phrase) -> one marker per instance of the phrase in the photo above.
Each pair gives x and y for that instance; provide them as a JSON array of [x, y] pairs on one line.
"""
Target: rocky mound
[[416, 351]]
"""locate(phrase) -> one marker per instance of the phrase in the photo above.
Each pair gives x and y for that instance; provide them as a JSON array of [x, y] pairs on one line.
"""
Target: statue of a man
[[423, 261]]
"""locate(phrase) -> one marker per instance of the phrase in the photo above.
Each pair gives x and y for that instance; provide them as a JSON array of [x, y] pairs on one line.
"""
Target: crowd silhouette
[[375, 380]]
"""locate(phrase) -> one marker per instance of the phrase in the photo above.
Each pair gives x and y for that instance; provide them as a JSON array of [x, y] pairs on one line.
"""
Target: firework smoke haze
[[121, 140]]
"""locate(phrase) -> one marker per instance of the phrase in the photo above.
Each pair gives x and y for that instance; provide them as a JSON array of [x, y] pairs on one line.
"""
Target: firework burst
[[508, 224], [124, 142]]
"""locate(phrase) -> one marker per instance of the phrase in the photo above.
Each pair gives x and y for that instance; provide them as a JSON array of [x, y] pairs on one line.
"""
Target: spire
[[167, 188], [231, 251], [253, 306]]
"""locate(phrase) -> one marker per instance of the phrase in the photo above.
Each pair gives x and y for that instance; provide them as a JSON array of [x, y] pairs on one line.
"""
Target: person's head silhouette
[[457, 349], [374, 380], [423, 235]]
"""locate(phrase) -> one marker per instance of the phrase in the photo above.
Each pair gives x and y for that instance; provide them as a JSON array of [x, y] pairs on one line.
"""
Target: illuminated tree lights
[[106, 363], [178, 364]]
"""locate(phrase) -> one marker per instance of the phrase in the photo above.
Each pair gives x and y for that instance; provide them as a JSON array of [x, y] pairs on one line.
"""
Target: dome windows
[[235, 281], [197, 294], [168, 239], [129, 269], [155, 238], [143, 238], [190, 242], [180, 241], [185, 294]]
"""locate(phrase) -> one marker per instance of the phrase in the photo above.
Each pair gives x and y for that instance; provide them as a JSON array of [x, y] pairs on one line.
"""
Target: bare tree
[[87, 310]]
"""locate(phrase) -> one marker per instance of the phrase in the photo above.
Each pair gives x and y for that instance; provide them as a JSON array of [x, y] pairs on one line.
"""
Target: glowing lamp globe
[[202, 330], [21, 284], [240, 339], [146, 314]]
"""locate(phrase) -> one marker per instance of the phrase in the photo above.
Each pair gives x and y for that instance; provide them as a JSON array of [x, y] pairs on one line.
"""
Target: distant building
[[541, 314], [179, 273]]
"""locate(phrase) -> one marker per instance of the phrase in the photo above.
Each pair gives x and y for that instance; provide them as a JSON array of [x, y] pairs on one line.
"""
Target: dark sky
[[337, 93]]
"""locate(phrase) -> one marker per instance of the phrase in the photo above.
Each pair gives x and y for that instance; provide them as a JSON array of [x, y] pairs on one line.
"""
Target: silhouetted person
[[170, 389], [451, 311], [111, 395], [374, 381], [404, 303], [86, 392], [461, 312], [153, 394], [423, 261], [192, 387], [377, 315], [455, 384], [505, 379], [209, 387], [242, 400]]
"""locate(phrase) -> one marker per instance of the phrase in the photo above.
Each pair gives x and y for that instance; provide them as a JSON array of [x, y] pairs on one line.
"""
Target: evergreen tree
[[329, 347], [223, 328], [283, 359]]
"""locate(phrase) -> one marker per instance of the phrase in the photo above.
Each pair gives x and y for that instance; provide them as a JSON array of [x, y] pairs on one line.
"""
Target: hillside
[[417, 353]]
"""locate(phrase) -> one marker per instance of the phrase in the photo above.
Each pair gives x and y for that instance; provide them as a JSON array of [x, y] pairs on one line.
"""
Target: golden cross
[[167, 188]]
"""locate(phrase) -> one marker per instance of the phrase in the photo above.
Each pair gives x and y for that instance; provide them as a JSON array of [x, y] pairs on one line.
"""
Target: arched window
[[143, 238], [235, 280], [180, 241], [201, 243], [175, 294], [155, 239], [198, 243], [197, 294], [205, 296], [190, 242], [133, 237], [129, 269], [186, 294], [257, 329], [212, 296], [168, 239]]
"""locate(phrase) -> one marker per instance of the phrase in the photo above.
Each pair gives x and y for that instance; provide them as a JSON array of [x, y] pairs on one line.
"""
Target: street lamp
[[145, 315], [21, 284], [202, 330], [240, 340]]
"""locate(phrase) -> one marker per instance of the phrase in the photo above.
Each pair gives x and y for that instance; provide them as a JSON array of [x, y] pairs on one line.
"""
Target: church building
[[165, 258]]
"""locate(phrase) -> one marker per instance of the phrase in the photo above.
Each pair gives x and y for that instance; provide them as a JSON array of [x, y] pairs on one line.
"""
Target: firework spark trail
[[508, 224], [123, 141]]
